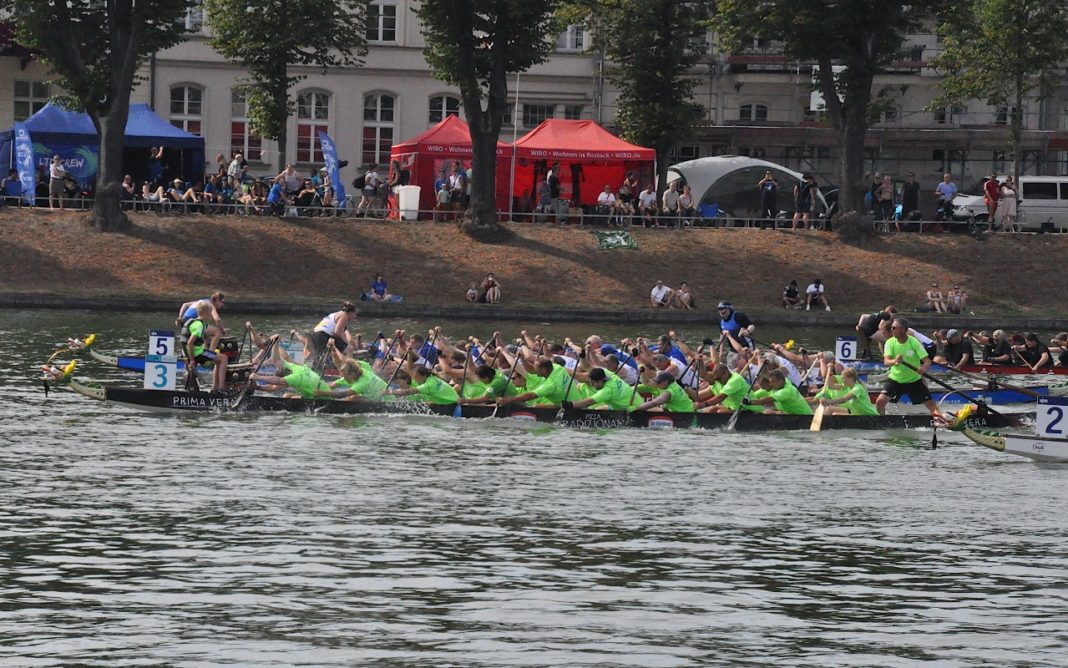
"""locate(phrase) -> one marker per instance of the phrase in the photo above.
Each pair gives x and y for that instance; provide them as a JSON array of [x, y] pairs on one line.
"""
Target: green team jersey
[[551, 389], [679, 402], [196, 332], [304, 381], [911, 351], [615, 394], [369, 384], [434, 390], [827, 393], [754, 395], [735, 388], [475, 389], [860, 404], [789, 400]]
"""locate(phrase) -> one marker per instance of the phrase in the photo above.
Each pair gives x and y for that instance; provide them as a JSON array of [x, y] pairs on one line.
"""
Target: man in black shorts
[[908, 361]]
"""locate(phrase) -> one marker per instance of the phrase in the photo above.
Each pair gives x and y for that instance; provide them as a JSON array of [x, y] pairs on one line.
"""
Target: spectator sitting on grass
[[683, 298], [490, 290], [472, 292], [791, 296], [814, 296], [660, 296]]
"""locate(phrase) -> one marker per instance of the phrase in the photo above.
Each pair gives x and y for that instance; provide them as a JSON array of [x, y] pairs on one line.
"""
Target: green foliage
[[652, 46], [994, 49], [93, 48], [270, 36]]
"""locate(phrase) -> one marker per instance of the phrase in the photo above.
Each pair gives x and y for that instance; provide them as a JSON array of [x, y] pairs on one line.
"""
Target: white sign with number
[[160, 372], [295, 352], [161, 343], [1051, 420], [845, 348]]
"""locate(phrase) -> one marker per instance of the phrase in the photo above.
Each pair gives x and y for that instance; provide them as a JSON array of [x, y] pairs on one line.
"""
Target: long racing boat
[[180, 401]]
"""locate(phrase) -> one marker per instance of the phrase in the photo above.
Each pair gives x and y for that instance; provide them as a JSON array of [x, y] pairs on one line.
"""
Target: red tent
[[590, 158], [450, 140]]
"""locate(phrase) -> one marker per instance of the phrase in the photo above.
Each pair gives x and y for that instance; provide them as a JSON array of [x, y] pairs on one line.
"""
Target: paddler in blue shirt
[[736, 324], [188, 310]]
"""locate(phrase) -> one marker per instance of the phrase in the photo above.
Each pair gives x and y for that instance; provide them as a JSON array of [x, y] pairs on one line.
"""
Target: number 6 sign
[[845, 348]]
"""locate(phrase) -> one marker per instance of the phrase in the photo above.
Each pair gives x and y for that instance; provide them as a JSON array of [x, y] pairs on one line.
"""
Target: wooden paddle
[[458, 410], [251, 381], [995, 383], [385, 352], [511, 372], [734, 416], [937, 381], [817, 415]]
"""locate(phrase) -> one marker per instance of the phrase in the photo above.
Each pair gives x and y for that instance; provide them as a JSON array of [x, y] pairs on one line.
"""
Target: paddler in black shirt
[[1034, 353], [996, 348], [957, 352]]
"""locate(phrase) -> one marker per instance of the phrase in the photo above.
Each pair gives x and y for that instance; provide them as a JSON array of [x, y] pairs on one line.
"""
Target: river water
[[130, 539]]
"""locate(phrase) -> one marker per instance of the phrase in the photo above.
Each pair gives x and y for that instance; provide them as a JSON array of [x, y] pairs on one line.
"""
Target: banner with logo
[[330, 158], [24, 163], [80, 160]]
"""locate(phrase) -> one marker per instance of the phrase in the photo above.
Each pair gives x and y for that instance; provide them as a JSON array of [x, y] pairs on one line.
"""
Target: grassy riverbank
[[544, 265]]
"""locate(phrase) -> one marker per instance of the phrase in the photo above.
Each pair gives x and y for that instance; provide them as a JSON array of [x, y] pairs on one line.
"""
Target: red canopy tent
[[450, 140], [590, 157]]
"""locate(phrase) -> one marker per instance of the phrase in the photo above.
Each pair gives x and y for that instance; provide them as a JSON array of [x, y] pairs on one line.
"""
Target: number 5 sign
[[1051, 420], [845, 348], [161, 343]]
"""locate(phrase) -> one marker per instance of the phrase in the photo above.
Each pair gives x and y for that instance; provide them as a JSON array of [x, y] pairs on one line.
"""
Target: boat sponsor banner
[[24, 163], [330, 158], [80, 160]]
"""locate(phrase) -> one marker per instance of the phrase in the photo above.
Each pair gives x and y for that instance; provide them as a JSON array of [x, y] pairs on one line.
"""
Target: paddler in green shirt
[[725, 390], [900, 352], [357, 380], [783, 396], [429, 387], [669, 395], [546, 386], [849, 398], [491, 384], [609, 392], [304, 382]]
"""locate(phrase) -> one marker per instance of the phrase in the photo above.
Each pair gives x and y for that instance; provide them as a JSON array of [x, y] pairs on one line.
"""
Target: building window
[[30, 96], [442, 106], [242, 140], [753, 112], [687, 152], [572, 39], [382, 21], [573, 112], [535, 114], [888, 115], [378, 111], [186, 105], [509, 116], [949, 115], [313, 117], [194, 17], [1003, 115]]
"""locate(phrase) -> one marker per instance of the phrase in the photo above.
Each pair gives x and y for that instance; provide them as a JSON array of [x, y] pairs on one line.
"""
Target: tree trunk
[[107, 214], [851, 167], [283, 134], [480, 219]]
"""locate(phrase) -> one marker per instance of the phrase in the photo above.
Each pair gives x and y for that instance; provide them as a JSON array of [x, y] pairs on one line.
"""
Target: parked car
[[1043, 204]]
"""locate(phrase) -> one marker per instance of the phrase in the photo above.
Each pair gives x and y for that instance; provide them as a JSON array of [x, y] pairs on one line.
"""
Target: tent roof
[[143, 128], [557, 139], [451, 136]]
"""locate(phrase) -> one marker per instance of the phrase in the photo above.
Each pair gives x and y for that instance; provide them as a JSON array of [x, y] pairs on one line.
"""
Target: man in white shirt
[[647, 205], [671, 201], [660, 295], [814, 295], [606, 204]]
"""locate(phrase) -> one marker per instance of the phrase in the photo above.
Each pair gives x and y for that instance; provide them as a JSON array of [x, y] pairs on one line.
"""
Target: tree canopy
[[270, 37], [475, 45], [1002, 52], [862, 37], [651, 47], [94, 50]]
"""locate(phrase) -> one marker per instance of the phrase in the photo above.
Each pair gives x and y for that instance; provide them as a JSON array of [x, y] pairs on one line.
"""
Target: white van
[[1043, 202]]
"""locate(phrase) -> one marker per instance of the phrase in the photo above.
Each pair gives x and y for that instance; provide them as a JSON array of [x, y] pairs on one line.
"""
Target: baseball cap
[[951, 333]]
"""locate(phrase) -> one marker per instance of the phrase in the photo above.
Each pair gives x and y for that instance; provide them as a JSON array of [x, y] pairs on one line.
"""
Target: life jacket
[[185, 336]]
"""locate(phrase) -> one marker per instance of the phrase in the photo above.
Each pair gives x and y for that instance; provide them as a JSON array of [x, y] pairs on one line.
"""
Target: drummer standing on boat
[[334, 327], [900, 349], [736, 324]]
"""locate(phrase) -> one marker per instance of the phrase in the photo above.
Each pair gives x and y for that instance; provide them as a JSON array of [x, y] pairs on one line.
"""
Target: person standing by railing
[[56, 174]]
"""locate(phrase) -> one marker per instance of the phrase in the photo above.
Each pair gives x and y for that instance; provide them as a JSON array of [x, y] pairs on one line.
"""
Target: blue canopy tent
[[55, 130]]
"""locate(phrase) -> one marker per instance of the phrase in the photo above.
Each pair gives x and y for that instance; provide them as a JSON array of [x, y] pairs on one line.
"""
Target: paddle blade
[[734, 420], [90, 340], [817, 419], [457, 411]]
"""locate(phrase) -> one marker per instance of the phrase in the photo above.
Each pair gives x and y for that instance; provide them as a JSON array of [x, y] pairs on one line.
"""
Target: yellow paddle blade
[[962, 415], [90, 340]]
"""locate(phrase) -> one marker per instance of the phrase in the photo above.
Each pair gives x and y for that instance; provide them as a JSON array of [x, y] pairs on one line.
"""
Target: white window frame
[[194, 18], [442, 101], [540, 107], [320, 101], [182, 119], [572, 39], [377, 22], [237, 97], [33, 101], [378, 124], [753, 108]]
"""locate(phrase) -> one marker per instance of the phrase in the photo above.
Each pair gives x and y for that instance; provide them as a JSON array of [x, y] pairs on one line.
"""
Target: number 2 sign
[[1051, 420]]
